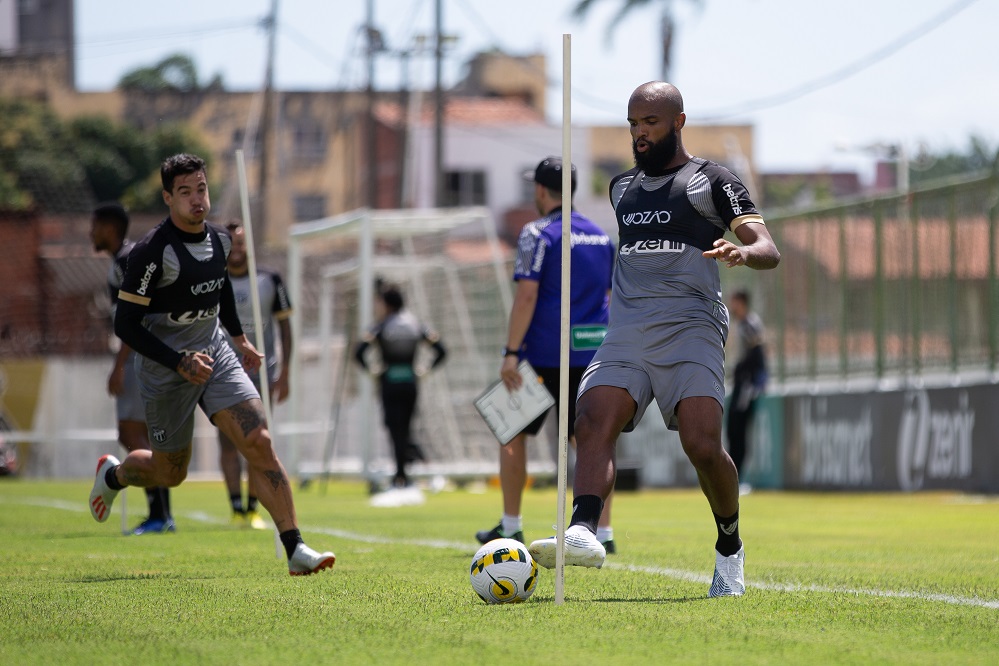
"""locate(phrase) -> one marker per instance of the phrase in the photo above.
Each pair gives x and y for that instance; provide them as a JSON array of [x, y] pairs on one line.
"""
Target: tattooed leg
[[246, 426], [149, 469]]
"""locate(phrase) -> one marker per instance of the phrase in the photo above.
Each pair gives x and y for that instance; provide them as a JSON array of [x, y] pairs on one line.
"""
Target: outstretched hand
[[728, 252]]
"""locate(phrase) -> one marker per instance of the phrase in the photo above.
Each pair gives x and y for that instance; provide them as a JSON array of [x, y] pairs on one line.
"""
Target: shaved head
[[663, 96]]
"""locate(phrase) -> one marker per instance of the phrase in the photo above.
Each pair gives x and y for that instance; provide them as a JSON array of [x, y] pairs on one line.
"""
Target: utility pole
[[438, 105], [267, 141], [374, 44], [404, 57]]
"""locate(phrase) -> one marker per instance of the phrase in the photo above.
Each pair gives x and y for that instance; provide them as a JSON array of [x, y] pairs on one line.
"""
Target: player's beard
[[658, 155]]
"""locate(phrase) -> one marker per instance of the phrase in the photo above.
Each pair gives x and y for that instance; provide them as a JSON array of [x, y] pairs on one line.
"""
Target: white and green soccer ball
[[503, 572]]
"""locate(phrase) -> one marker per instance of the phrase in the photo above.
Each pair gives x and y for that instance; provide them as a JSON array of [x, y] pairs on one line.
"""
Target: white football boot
[[305, 561], [581, 549], [728, 580], [101, 495]]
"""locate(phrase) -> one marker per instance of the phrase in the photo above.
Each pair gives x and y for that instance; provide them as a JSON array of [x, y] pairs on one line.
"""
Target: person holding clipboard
[[534, 329]]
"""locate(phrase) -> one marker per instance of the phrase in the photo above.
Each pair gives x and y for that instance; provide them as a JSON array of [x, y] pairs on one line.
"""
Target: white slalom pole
[[258, 328], [123, 502], [563, 376]]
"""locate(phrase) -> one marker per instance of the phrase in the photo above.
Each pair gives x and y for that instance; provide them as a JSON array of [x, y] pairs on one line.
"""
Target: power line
[[769, 101], [168, 33], [843, 73]]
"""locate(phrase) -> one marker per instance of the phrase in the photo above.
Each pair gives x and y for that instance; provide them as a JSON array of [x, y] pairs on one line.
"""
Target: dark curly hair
[[179, 165]]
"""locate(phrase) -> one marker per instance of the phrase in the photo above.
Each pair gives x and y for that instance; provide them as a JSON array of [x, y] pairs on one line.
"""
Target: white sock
[[511, 524], [605, 534]]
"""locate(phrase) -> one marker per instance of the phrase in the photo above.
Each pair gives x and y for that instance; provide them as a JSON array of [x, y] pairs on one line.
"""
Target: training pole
[[563, 375], [124, 511], [258, 328]]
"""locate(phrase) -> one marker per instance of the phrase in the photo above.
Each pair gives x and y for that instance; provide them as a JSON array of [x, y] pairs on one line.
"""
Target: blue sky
[[818, 80]]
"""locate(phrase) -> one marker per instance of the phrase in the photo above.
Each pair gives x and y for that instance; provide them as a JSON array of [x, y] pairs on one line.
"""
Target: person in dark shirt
[[398, 335], [748, 380], [108, 230]]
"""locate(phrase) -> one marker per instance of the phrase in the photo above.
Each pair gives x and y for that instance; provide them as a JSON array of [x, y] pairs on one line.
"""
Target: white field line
[[679, 574]]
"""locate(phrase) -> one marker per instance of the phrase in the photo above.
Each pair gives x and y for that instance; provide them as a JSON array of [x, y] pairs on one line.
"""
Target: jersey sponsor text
[[208, 286], [651, 246], [647, 217], [146, 277], [733, 199], [192, 316]]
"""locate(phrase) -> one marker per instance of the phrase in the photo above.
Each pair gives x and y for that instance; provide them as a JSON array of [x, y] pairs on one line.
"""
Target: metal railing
[[884, 288]]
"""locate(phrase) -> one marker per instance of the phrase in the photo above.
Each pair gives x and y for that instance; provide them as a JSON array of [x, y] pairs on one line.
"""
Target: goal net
[[456, 278]]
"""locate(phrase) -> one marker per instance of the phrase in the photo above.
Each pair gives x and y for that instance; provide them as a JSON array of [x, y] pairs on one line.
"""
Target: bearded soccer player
[[668, 325], [174, 296]]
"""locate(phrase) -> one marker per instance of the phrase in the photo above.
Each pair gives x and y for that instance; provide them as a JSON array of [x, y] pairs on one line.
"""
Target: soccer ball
[[503, 572]]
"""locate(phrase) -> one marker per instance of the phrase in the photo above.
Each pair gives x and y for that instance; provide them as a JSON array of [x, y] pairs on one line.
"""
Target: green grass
[[833, 578]]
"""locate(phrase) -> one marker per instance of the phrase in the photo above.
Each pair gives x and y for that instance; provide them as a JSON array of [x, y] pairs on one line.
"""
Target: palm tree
[[667, 23]]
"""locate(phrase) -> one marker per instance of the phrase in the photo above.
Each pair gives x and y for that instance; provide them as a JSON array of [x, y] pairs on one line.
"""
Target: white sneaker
[[745, 489], [101, 495], [305, 561], [729, 580], [581, 549]]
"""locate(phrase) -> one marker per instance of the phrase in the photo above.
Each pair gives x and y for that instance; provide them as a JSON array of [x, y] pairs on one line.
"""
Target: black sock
[[165, 494], [728, 542], [112, 480], [290, 539], [251, 503], [156, 509], [586, 511], [237, 503]]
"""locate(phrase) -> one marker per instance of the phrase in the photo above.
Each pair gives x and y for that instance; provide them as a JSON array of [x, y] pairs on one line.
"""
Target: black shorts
[[550, 378]]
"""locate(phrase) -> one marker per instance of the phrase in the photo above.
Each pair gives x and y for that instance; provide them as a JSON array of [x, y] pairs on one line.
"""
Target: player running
[[174, 295]]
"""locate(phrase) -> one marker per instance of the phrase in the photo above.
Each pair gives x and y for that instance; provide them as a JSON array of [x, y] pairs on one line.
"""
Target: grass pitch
[[832, 578]]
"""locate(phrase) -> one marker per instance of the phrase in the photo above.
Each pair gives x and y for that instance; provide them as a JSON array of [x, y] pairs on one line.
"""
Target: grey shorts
[[170, 399], [128, 404], [667, 362]]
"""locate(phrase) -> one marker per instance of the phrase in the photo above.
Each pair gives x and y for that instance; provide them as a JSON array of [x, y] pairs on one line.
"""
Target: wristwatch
[[510, 352]]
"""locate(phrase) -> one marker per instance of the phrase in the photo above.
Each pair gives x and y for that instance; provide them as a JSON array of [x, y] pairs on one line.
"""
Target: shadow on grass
[[113, 578], [649, 600], [623, 600]]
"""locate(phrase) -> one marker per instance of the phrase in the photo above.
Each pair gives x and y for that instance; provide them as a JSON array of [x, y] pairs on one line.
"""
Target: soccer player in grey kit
[[108, 228], [668, 325], [174, 296]]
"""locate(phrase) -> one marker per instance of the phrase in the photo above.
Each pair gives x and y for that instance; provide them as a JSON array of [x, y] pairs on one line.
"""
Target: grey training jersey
[[665, 224], [399, 335], [274, 306], [183, 290]]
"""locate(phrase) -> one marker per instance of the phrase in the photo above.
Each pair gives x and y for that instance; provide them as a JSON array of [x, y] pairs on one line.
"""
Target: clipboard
[[507, 414]]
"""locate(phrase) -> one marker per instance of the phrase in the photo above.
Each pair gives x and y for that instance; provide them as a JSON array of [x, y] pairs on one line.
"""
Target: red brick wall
[[20, 309]]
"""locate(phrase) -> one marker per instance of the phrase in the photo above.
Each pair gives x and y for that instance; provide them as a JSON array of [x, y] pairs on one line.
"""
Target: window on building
[[252, 150], [309, 142], [465, 188], [309, 207]]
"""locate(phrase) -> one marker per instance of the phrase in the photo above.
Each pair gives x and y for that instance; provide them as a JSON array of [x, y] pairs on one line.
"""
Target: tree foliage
[[928, 166], [175, 73], [62, 166], [667, 24]]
